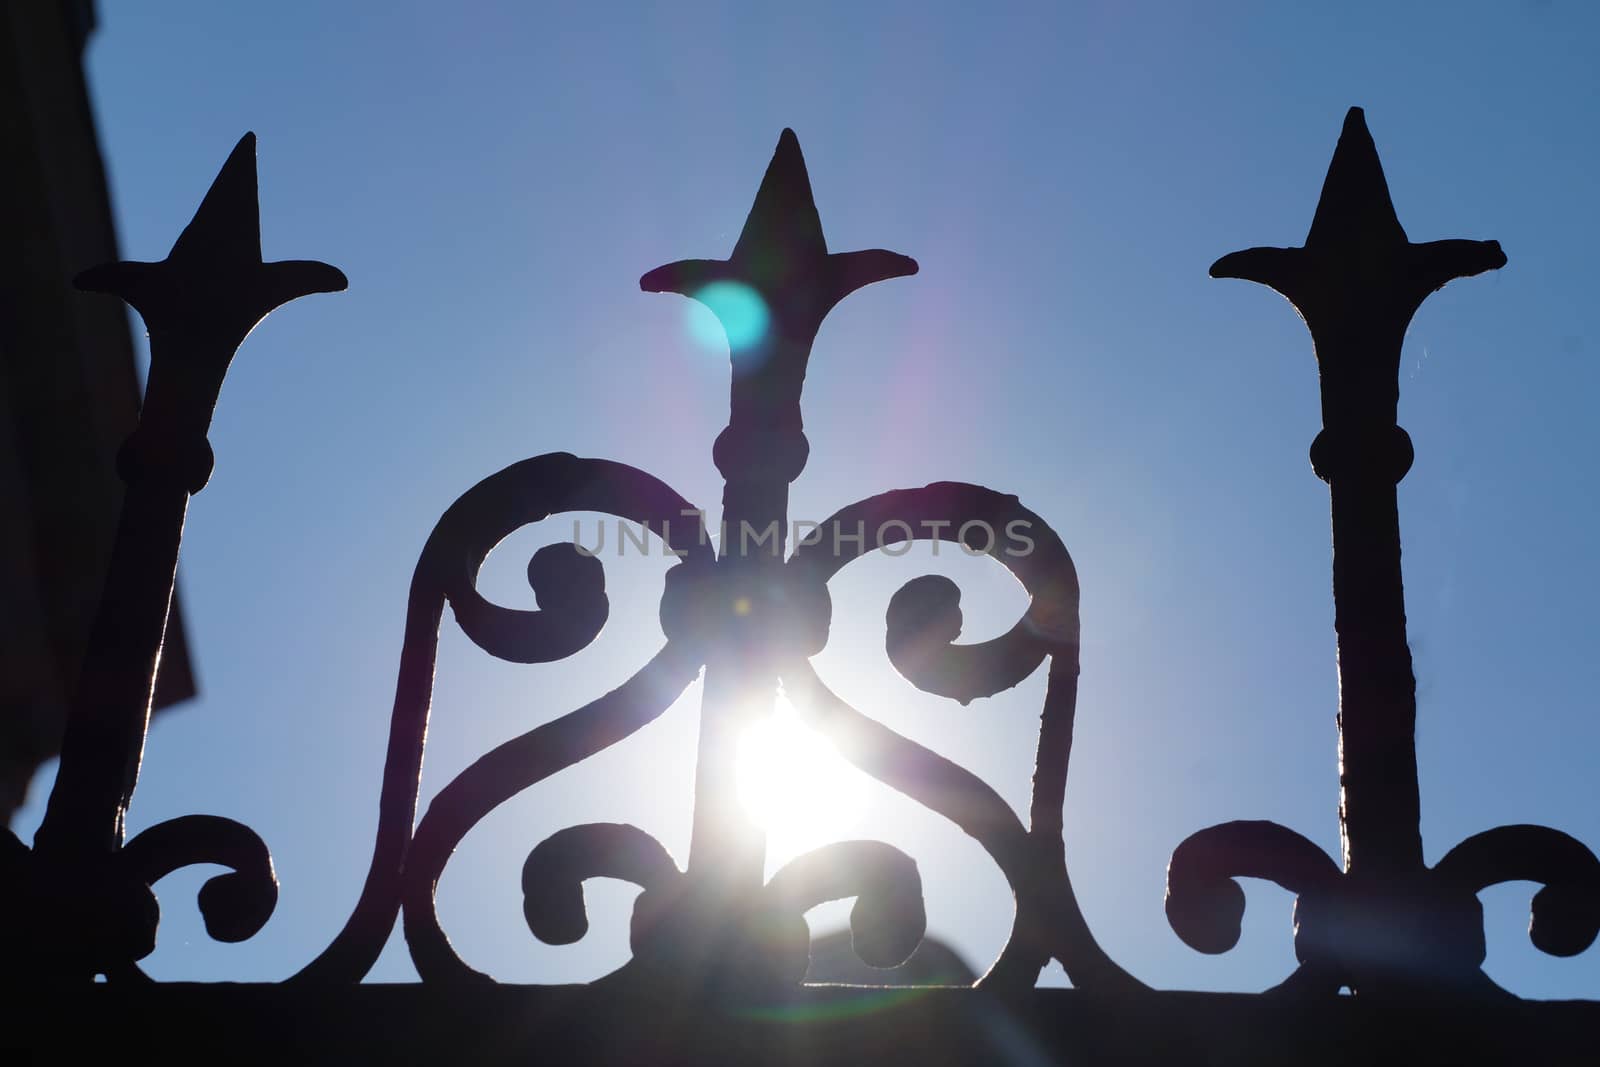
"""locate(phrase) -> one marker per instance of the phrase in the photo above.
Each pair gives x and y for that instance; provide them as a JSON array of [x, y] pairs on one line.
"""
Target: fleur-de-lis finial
[[781, 263], [214, 281], [1357, 281], [199, 304], [1385, 921], [782, 254], [782, 258]]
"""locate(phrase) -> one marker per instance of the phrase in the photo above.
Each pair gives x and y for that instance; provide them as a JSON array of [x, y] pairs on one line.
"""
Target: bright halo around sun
[[793, 782]]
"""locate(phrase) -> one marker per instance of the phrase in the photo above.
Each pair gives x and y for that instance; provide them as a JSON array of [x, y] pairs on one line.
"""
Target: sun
[[793, 782]]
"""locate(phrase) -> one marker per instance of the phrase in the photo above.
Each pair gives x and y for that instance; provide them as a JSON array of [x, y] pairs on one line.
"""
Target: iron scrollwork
[[752, 620]]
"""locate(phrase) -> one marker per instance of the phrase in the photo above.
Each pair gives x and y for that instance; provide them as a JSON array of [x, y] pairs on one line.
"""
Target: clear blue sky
[[493, 178]]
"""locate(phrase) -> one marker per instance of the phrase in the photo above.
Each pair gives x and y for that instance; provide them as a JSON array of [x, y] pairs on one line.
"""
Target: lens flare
[[728, 310]]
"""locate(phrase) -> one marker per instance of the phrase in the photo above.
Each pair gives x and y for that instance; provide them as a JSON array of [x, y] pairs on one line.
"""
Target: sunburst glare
[[793, 782]]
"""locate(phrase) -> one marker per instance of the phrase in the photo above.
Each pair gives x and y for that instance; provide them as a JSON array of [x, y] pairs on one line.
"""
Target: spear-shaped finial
[[213, 282], [782, 276], [1358, 277], [1357, 281], [199, 304], [781, 268], [782, 255]]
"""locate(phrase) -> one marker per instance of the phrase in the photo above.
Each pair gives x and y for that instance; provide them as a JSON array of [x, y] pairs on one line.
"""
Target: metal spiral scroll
[[924, 619], [236, 905], [887, 921], [570, 587], [407, 865]]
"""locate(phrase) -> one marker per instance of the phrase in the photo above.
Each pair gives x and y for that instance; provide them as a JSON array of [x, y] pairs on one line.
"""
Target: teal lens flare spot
[[731, 310]]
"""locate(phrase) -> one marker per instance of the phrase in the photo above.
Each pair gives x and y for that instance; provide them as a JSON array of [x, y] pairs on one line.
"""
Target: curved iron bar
[[235, 905], [1049, 923], [506, 771], [1564, 916], [1205, 903], [554, 873], [930, 779], [888, 920], [923, 621], [446, 571], [924, 616]]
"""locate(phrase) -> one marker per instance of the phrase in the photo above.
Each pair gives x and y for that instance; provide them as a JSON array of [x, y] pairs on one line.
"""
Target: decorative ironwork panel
[[750, 612]]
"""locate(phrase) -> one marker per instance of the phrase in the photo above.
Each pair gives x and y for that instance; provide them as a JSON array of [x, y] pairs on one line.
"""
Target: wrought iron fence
[[751, 609]]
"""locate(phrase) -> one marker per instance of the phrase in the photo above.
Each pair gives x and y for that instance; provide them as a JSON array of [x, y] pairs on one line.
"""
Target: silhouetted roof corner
[[69, 392]]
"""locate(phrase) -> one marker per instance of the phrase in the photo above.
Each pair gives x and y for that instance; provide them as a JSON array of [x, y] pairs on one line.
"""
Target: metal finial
[[1385, 922]]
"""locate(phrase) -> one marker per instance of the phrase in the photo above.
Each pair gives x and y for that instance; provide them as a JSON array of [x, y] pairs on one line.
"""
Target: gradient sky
[[493, 178]]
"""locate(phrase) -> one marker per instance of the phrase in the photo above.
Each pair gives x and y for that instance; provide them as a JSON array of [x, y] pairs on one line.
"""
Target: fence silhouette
[[720, 950]]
